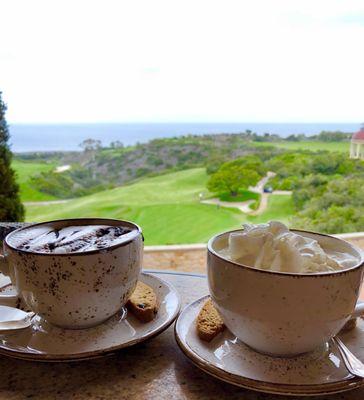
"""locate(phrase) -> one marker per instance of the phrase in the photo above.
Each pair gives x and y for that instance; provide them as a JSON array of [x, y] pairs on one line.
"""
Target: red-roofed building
[[357, 144]]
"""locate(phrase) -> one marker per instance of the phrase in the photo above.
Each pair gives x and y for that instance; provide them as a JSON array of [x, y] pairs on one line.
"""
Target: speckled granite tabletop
[[156, 369]]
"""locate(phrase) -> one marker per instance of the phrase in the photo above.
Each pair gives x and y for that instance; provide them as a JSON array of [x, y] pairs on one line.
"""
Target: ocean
[[58, 137]]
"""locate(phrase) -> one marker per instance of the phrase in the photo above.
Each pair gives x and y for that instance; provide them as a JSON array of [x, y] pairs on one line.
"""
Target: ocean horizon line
[[67, 137], [187, 123]]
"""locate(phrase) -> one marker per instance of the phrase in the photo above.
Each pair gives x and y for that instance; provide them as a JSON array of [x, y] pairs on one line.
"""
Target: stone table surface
[[155, 369]]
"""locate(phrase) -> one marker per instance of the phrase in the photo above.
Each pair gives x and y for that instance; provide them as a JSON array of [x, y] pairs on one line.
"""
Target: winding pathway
[[244, 205]]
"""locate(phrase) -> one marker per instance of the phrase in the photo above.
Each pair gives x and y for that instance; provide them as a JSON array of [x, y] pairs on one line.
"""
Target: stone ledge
[[176, 247], [354, 236], [192, 257], [348, 236]]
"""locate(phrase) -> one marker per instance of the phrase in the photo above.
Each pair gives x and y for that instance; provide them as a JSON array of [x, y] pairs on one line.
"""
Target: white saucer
[[225, 357], [43, 342]]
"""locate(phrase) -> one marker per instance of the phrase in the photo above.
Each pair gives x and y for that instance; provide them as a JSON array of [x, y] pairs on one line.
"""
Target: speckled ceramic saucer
[[43, 342], [225, 357]]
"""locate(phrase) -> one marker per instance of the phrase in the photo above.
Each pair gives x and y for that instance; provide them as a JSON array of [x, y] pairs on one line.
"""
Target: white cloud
[[85, 61]]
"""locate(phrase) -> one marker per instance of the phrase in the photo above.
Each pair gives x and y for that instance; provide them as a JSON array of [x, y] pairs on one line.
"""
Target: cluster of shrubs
[[327, 187]]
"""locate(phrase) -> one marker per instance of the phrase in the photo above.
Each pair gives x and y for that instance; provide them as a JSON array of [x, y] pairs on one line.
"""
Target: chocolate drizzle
[[72, 239]]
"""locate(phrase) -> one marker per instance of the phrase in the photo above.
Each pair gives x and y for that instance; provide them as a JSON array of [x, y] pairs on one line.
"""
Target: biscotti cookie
[[209, 323], [143, 302]]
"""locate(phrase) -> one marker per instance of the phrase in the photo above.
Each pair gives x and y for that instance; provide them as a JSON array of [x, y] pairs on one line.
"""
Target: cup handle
[[359, 309], [6, 299]]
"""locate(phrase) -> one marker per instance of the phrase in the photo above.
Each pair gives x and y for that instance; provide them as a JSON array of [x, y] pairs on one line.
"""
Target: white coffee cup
[[75, 290], [279, 313]]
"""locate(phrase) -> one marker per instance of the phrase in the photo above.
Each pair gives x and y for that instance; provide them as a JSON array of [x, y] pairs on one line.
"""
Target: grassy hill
[[24, 171], [342, 147], [280, 207], [167, 208]]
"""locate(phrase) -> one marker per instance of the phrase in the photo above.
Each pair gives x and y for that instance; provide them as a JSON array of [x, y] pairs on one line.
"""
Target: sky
[[89, 61]]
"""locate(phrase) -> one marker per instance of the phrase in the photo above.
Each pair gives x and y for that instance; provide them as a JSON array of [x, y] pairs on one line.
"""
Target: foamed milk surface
[[71, 239], [273, 247]]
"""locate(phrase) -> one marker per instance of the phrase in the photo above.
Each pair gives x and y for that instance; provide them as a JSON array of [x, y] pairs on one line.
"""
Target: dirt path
[[259, 187], [262, 205], [44, 203], [244, 205], [282, 192], [241, 205]]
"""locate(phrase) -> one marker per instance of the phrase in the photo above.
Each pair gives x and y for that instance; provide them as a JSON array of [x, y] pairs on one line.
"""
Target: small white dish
[[12, 319], [321, 372], [44, 342]]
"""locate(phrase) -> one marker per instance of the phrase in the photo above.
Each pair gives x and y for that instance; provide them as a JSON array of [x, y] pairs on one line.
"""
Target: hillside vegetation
[[98, 168], [25, 170]]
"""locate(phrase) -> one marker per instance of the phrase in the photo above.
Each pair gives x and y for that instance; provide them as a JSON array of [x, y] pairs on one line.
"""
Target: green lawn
[[309, 145], [167, 208], [26, 169], [280, 207], [243, 195], [183, 223]]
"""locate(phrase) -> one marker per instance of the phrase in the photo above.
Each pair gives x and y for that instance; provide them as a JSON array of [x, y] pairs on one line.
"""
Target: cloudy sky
[[188, 61]]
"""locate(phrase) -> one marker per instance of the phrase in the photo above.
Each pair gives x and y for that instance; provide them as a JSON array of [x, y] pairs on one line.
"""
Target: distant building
[[357, 144]]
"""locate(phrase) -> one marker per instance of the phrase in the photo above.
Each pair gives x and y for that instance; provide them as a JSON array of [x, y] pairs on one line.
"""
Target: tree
[[335, 136], [117, 145], [232, 177], [248, 162], [90, 145], [11, 208]]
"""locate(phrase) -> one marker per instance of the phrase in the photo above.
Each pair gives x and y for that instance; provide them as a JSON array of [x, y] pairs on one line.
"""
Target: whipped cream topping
[[274, 247]]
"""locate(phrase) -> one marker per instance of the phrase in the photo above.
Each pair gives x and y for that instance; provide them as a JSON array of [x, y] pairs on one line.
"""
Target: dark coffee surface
[[46, 238]]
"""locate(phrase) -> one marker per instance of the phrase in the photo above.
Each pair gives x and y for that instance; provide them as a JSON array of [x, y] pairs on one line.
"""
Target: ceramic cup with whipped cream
[[284, 292], [75, 273]]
